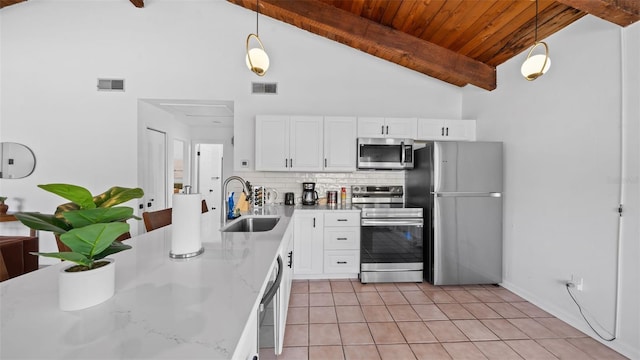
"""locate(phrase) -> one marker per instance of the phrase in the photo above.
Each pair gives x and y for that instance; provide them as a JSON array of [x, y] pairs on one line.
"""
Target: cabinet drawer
[[342, 219], [341, 261], [342, 238]]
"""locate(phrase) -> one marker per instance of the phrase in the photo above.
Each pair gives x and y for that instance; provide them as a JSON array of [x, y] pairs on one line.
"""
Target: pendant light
[[536, 65], [257, 59]]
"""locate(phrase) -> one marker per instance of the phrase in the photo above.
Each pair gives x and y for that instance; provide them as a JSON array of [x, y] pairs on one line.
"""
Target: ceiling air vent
[[110, 84], [264, 88]]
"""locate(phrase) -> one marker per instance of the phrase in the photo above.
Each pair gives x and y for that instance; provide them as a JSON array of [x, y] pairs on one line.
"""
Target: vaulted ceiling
[[457, 41]]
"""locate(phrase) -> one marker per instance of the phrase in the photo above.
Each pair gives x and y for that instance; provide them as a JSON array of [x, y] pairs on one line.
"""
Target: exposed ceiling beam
[[138, 3], [4, 3], [620, 12], [378, 40]]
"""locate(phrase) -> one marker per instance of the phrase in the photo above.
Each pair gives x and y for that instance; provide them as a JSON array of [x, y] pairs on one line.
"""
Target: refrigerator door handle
[[467, 194]]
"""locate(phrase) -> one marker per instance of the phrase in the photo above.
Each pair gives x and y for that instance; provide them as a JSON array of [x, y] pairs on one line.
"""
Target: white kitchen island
[[162, 308]]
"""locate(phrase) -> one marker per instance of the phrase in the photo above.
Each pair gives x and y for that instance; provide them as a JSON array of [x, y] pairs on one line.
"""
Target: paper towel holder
[[187, 255]]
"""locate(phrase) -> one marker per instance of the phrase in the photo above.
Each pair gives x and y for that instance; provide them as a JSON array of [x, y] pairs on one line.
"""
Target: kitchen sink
[[251, 224]]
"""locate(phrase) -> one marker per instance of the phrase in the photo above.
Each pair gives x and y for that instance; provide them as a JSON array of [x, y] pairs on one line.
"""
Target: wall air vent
[[110, 84], [264, 88]]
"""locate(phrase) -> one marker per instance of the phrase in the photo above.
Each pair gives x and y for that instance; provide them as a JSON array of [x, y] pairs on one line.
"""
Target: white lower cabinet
[[247, 347], [307, 242], [326, 244], [341, 242], [341, 261], [286, 253]]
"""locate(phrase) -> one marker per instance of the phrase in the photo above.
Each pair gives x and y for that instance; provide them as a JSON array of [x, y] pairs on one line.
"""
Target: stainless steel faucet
[[224, 193]]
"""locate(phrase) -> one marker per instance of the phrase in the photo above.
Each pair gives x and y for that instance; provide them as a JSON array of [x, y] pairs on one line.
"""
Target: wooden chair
[[161, 218], [156, 219], [15, 255], [4, 273]]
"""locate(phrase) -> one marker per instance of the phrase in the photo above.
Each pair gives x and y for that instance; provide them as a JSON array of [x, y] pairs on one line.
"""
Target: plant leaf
[[80, 218], [74, 193], [44, 222], [117, 195], [115, 247], [68, 256], [93, 239]]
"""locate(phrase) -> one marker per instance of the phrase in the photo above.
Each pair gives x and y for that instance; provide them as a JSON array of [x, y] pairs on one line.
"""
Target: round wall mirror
[[18, 161]]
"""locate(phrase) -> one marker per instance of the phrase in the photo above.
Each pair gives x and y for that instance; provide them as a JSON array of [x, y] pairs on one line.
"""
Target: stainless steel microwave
[[385, 154]]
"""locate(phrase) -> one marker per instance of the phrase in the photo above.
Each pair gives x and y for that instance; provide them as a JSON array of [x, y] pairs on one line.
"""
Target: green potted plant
[[88, 226], [3, 207]]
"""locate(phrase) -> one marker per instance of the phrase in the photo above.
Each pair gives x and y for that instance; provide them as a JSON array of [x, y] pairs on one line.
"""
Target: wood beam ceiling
[[378, 40], [138, 3], [4, 3], [620, 12]]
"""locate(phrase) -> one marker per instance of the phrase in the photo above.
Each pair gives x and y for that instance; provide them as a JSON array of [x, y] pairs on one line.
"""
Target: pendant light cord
[[536, 30], [257, 13]]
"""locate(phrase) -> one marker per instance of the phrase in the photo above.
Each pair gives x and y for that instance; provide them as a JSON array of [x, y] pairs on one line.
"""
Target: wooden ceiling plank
[[374, 9], [4, 3], [406, 14], [498, 28], [466, 14], [481, 25], [472, 23], [390, 13], [442, 17], [550, 20], [361, 33], [423, 16], [138, 3], [620, 12]]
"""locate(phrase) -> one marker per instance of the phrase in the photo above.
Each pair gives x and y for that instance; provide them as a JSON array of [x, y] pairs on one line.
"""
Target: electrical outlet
[[576, 282]]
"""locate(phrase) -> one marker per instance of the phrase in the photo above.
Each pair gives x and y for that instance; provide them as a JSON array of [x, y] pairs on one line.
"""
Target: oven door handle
[[274, 288], [392, 222]]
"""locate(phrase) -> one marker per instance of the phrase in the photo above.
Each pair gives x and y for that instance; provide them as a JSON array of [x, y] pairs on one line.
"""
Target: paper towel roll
[[185, 219]]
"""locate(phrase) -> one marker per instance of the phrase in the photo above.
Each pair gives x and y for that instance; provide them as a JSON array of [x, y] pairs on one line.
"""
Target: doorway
[[209, 163], [155, 170]]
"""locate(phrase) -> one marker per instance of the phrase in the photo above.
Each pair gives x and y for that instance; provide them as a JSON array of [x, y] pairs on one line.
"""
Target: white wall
[[52, 52], [562, 174]]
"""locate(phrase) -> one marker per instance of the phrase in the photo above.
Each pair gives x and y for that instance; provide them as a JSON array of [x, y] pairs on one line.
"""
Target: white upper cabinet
[[379, 127], [272, 142], [339, 143], [305, 143], [289, 143], [439, 129]]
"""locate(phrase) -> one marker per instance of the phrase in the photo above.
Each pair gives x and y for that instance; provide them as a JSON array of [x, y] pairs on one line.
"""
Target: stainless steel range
[[390, 236]]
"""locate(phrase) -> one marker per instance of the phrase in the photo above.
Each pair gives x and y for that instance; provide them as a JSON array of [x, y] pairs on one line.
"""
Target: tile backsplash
[[284, 182]]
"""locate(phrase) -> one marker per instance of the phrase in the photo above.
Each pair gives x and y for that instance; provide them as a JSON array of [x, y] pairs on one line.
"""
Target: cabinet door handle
[[387, 129], [314, 222], [447, 131], [442, 131], [341, 262], [290, 162], [325, 162], [290, 256], [343, 219], [341, 238], [382, 130], [286, 163]]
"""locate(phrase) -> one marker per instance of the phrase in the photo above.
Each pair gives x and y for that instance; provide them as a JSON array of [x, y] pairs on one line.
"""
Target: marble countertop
[[163, 308]]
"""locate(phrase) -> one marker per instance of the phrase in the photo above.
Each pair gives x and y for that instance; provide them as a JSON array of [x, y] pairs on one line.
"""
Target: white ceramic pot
[[83, 289]]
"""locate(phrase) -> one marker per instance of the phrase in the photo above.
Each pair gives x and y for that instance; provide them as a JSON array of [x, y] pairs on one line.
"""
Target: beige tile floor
[[342, 319]]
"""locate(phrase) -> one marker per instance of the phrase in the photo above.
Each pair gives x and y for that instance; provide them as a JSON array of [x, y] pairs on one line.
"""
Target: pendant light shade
[[536, 65], [257, 59]]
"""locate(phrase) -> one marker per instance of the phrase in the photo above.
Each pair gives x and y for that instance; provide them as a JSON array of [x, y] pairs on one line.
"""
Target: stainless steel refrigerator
[[459, 186]]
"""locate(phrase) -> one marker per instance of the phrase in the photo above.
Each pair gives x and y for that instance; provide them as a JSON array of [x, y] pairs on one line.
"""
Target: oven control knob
[[356, 188]]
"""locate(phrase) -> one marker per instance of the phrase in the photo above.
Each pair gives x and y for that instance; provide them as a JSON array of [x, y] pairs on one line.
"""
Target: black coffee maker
[[309, 193]]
